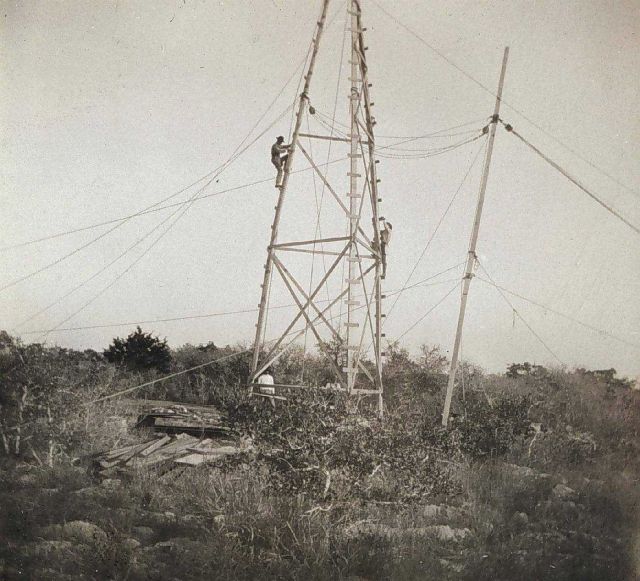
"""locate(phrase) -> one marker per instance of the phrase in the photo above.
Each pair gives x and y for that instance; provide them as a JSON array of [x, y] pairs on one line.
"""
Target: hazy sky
[[108, 107]]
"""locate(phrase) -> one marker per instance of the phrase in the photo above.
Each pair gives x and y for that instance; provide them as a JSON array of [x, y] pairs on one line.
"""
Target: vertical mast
[[304, 96], [354, 102], [471, 256]]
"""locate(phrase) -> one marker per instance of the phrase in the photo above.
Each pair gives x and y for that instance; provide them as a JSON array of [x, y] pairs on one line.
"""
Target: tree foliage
[[140, 351]]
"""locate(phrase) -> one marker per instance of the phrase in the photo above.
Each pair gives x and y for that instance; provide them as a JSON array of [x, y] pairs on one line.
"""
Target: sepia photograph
[[320, 290]]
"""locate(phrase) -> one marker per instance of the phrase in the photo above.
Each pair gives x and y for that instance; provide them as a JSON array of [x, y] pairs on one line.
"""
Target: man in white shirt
[[266, 384]]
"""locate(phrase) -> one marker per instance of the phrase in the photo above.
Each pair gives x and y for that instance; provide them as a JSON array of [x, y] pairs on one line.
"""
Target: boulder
[[446, 533], [130, 544], [78, 531], [562, 492], [143, 534]]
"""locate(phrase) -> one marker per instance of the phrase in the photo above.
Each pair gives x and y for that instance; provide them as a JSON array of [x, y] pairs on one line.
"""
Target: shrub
[[140, 351]]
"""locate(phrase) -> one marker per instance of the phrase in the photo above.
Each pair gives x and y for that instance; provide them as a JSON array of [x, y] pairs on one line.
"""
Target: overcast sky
[[109, 107]]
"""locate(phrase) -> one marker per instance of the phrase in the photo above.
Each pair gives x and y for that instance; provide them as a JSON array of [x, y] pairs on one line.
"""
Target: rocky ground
[[63, 525]]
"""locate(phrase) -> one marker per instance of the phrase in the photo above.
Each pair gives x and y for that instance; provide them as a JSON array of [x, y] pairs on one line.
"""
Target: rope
[[573, 180], [512, 107], [440, 134], [236, 153], [433, 308], [170, 376], [315, 193], [517, 313], [222, 313], [436, 229], [159, 209], [560, 314]]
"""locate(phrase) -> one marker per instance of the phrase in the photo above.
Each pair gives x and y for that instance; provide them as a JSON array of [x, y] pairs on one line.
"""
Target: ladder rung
[[354, 155], [355, 80], [353, 303], [367, 391], [354, 175], [353, 281], [354, 196], [351, 259], [352, 324]]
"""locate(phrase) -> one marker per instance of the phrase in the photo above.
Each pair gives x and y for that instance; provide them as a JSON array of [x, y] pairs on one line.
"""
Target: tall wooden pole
[[471, 256], [304, 97]]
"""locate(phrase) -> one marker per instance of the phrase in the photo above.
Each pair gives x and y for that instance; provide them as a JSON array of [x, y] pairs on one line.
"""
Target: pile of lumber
[[165, 452], [194, 420]]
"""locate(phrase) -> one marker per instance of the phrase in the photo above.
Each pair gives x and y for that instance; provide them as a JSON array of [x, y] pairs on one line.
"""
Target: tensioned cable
[[178, 213], [435, 153], [559, 313], [573, 180], [323, 190], [434, 134], [160, 208], [422, 283], [216, 173], [304, 61], [439, 223], [121, 255], [200, 366], [433, 308], [517, 313], [492, 93]]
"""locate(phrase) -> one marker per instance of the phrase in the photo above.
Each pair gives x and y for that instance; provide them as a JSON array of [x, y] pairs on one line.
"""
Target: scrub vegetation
[[536, 477]]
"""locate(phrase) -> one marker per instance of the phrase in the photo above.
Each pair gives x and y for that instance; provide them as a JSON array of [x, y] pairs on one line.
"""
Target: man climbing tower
[[279, 156], [385, 238]]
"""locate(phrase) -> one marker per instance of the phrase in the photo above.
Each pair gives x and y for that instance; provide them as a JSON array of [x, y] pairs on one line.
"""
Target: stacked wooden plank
[[164, 453], [194, 420]]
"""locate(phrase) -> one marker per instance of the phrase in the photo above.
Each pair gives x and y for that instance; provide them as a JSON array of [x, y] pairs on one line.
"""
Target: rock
[[160, 519], [524, 472], [562, 492], [111, 483], [431, 510], [143, 534], [455, 567], [77, 531], [440, 532], [90, 492], [51, 575], [520, 519], [27, 479], [220, 519], [175, 544], [446, 533], [43, 549], [130, 544]]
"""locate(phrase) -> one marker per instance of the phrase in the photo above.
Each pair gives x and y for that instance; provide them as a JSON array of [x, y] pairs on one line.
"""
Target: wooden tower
[[348, 243]]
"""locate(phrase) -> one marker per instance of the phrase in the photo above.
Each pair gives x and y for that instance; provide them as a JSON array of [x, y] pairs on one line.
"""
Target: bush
[[140, 351]]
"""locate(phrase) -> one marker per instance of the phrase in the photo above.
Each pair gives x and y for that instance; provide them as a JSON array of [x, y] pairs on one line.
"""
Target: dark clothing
[[277, 149]]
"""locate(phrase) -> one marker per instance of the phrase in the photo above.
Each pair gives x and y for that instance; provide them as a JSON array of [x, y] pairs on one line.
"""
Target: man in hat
[[385, 238], [279, 156]]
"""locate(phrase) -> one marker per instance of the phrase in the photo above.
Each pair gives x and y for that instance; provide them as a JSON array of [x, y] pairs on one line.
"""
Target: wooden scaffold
[[354, 250]]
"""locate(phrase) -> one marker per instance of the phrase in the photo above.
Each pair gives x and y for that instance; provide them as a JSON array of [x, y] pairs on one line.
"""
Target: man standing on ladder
[[279, 156], [385, 238]]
